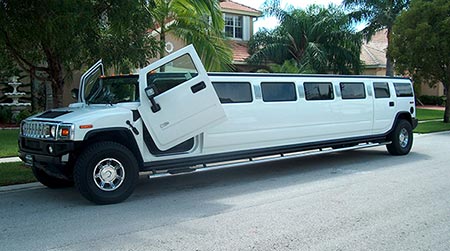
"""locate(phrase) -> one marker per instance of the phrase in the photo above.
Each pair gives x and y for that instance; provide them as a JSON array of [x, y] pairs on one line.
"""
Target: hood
[[91, 113]]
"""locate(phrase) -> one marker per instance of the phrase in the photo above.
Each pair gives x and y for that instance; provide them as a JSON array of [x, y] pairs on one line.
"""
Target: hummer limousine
[[174, 117]]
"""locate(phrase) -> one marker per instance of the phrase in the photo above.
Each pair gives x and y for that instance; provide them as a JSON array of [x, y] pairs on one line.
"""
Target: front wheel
[[402, 139], [106, 173]]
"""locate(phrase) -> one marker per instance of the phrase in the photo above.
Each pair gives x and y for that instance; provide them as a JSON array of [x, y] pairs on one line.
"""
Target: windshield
[[112, 90]]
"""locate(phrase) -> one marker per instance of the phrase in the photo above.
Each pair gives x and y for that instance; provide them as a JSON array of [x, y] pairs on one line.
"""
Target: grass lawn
[[432, 126], [426, 114], [8, 143], [15, 173]]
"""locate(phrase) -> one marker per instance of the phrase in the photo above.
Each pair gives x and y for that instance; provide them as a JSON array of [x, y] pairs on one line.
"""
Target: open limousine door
[[178, 100]]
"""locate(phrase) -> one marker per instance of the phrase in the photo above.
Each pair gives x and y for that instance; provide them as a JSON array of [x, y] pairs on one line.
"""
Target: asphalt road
[[359, 200]]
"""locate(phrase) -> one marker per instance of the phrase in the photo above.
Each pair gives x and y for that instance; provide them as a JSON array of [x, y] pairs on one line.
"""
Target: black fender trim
[[95, 132], [404, 115], [130, 140]]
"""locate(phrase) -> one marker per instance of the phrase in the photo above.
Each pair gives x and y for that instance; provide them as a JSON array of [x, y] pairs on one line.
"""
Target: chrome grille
[[36, 129]]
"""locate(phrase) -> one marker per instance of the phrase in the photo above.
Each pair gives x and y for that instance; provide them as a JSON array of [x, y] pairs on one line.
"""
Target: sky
[[271, 22]]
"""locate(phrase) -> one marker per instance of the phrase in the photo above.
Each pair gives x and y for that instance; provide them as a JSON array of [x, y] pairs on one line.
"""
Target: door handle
[[198, 87], [391, 103]]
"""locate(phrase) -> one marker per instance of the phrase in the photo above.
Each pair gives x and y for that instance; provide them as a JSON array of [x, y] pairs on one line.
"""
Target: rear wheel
[[106, 173], [402, 139], [49, 180]]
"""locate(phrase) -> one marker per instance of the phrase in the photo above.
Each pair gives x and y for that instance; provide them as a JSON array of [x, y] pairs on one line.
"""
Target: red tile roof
[[240, 51], [233, 6]]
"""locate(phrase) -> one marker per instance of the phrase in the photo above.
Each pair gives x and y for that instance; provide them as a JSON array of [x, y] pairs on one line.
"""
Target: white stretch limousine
[[174, 117]]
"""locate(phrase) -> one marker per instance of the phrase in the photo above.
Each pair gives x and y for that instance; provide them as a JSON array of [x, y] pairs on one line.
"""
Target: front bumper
[[50, 156]]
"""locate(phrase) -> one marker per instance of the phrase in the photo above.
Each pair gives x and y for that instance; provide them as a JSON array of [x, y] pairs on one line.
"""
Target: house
[[373, 54], [238, 29]]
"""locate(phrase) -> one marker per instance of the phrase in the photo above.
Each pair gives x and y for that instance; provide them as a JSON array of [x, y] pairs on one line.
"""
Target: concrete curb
[[431, 120], [10, 159], [19, 187]]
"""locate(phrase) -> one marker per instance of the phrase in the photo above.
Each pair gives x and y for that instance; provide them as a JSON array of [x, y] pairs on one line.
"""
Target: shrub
[[5, 114], [22, 115], [433, 100]]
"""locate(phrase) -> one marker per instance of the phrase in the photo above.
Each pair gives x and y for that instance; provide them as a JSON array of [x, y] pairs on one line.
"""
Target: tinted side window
[[381, 90], [403, 90], [273, 92], [352, 90], [172, 74], [233, 92], [318, 91]]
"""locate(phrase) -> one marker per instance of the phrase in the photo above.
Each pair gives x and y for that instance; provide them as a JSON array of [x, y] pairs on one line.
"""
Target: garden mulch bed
[[8, 126]]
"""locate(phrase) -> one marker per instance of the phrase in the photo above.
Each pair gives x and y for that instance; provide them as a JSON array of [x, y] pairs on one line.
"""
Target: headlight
[[53, 131]]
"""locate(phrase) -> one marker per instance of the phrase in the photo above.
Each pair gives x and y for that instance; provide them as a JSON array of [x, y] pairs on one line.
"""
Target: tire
[[49, 180], [402, 139], [106, 173]]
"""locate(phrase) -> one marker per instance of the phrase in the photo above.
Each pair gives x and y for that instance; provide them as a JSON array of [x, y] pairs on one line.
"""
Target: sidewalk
[[431, 107]]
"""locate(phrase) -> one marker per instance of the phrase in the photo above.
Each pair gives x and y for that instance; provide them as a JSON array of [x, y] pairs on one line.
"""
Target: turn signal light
[[86, 126], [65, 132]]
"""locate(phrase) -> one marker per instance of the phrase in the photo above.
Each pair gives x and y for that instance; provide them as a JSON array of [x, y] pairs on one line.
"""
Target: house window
[[233, 26]]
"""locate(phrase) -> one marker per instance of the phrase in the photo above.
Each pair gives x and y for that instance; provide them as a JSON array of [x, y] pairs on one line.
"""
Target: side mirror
[[74, 92], [151, 92]]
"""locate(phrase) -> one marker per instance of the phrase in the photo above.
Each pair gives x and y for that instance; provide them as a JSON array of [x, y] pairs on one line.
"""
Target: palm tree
[[379, 14], [318, 39], [197, 22], [290, 66]]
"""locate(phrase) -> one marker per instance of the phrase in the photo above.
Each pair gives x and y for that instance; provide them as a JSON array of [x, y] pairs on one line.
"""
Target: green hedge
[[5, 115], [433, 100]]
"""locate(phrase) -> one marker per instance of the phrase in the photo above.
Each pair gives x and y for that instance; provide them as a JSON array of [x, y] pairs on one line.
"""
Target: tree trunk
[[162, 39], [48, 96], [55, 72], [33, 90], [389, 61], [447, 95], [58, 90], [447, 108]]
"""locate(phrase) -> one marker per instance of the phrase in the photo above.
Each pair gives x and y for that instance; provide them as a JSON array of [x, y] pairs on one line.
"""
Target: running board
[[264, 159]]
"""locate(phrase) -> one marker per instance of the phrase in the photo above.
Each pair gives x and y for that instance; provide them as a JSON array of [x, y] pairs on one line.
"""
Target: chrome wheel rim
[[403, 137], [108, 174]]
